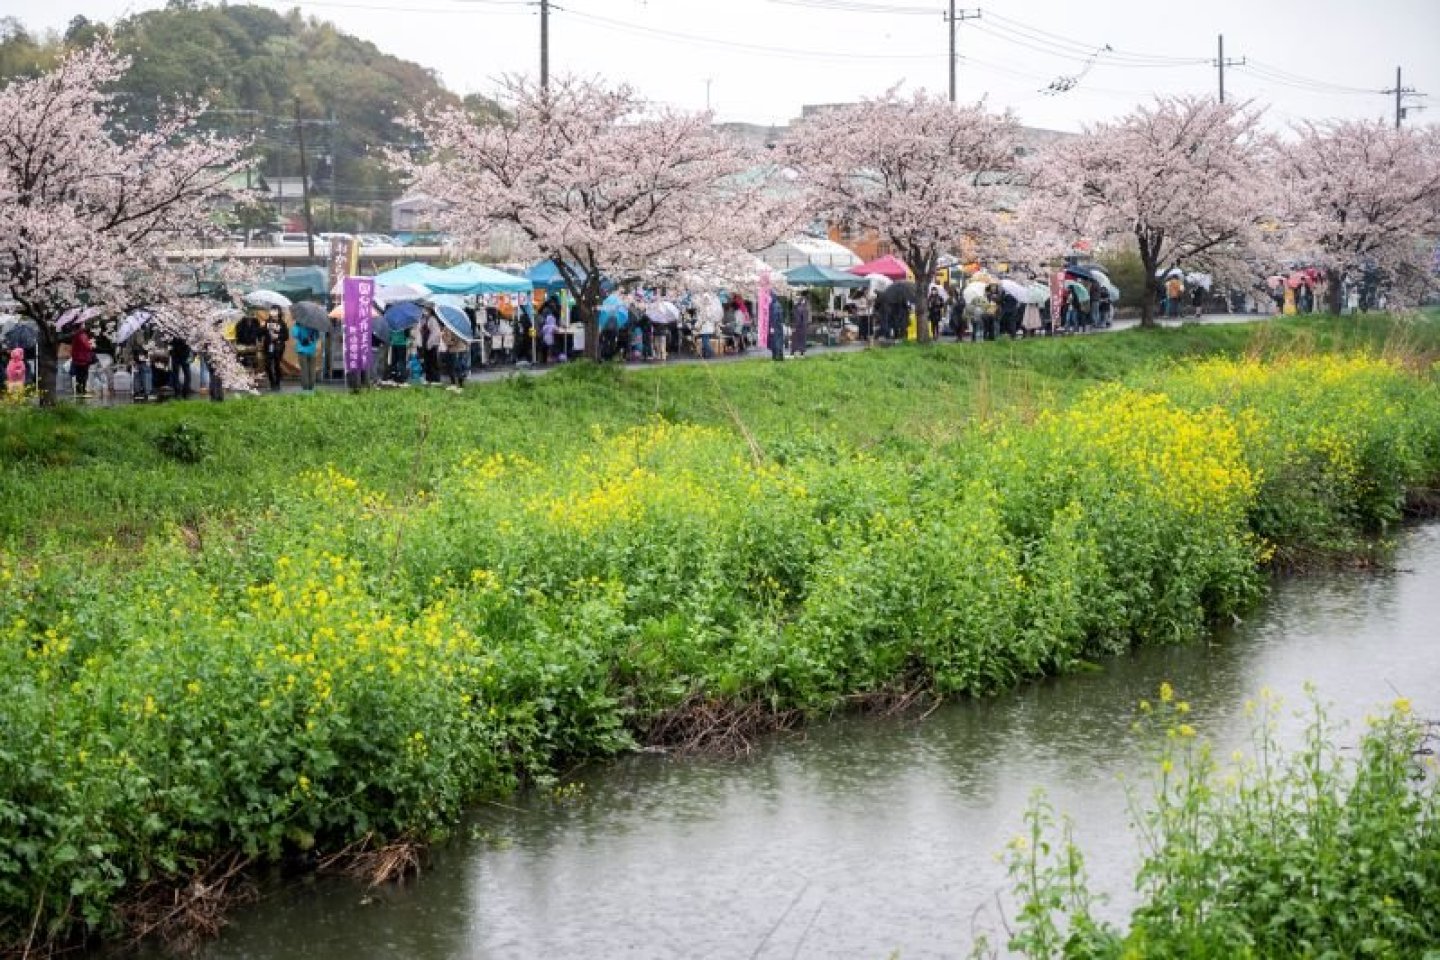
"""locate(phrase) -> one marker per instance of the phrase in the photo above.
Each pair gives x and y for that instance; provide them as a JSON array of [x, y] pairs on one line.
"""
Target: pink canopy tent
[[888, 266]]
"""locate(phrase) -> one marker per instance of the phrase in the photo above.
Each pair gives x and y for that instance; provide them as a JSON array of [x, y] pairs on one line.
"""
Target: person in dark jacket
[[777, 329], [180, 356], [800, 326], [248, 335], [276, 334]]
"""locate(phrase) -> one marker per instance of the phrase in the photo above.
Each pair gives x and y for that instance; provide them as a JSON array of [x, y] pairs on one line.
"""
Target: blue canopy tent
[[466, 280], [474, 279], [418, 273], [546, 276], [814, 275]]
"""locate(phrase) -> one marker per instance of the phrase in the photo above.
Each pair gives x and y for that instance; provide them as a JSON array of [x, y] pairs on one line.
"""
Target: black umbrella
[[24, 334], [312, 315], [898, 293]]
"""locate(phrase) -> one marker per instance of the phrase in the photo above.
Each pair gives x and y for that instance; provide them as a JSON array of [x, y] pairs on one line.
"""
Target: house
[[415, 213], [286, 195]]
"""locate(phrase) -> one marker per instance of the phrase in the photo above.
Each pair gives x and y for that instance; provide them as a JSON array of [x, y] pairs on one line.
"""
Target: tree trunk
[[922, 309], [1147, 302], [1336, 291], [47, 364]]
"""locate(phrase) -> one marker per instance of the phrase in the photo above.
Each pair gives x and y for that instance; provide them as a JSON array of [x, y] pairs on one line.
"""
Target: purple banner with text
[[359, 296]]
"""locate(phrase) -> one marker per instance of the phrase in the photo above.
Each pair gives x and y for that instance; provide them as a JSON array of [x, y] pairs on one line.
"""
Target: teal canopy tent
[[813, 275]]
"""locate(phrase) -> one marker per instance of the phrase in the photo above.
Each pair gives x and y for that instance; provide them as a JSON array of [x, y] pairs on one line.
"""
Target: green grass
[[81, 476]]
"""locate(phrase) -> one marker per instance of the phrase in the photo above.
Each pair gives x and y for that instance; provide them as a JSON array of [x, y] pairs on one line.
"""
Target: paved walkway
[[490, 374]]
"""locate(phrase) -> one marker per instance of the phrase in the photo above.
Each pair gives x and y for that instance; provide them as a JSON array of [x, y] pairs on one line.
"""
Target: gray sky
[[764, 58]]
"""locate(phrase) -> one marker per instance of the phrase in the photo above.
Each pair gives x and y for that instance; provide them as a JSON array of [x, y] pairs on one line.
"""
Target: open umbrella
[[313, 316], [1037, 293], [973, 292], [75, 317], [614, 314], [267, 298], [456, 319], [403, 316], [1078, 291], [1015, 288], [899, 292], [131, 324], [1201, 280], [23, 333], [878, 282]]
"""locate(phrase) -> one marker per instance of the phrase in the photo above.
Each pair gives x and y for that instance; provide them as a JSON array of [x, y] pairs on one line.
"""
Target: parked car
[[377, 240], [292, 240]]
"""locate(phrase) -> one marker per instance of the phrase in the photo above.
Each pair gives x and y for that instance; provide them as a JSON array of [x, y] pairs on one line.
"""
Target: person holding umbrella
[[82, 357], [800, 330], [275, 336]]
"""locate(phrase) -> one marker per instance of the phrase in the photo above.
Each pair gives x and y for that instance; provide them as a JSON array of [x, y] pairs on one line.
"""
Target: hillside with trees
[[257, 68]]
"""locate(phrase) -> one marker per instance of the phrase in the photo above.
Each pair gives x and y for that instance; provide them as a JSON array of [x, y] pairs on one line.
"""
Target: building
[[415, 213]]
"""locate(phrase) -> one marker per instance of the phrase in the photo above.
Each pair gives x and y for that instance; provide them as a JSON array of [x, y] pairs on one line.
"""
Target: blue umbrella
[[613, 313], [456, 320], [403, 316]]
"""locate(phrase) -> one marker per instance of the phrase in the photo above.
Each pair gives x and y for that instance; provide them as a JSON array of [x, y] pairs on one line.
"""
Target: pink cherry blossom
[[927, 175], [88, 207], [1360, 194], [1181, 182], [592, 178]]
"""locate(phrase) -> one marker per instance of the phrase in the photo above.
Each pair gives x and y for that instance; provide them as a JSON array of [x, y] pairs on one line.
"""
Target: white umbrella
[[267, 298], [672, 312], [1014, 288], [1201, 280], [132, 324], [973, 292], [75, 316], [878, 282], [1036, 293], [402, 293]]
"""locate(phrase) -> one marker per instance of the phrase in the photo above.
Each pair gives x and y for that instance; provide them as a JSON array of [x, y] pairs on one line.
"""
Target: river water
[[866, 837]]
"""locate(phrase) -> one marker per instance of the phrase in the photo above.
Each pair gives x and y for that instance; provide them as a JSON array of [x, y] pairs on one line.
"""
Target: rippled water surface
[[867, 836]]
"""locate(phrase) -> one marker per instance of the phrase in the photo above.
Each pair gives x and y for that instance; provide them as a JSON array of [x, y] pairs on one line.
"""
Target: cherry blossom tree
[[923, 173], [89, 208], [601, 184], [1184, 181], [1358, 194]]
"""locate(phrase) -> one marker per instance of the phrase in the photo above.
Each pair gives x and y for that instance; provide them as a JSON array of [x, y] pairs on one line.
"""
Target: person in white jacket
[[709, 313]]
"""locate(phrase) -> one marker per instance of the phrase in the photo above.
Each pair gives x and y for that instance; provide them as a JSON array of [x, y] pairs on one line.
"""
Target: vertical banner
[[359, 295], [762, 308], [1057, 297], [344, 253]]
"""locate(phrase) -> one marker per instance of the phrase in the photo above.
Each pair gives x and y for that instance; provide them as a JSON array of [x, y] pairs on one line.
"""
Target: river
[[864, 837]]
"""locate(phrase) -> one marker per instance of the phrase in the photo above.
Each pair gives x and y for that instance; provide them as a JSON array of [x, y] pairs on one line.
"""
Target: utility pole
[[305, 184], [1221, 63], [544, 46], [1401, 93], [954, 18]]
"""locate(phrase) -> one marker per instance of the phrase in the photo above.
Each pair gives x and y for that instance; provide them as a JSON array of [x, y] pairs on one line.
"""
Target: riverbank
[[475, 590]]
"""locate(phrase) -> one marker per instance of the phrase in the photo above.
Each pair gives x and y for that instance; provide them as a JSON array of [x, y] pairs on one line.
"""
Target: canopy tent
[[473, 279], [814, 275], [546, 276], [800, 251], [467, 279], [889, 266]]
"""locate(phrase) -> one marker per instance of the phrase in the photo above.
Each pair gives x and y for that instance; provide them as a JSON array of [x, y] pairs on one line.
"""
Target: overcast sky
[[763, 59]]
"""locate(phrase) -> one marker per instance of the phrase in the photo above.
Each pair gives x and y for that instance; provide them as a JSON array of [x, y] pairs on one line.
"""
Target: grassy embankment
[[357, 614]]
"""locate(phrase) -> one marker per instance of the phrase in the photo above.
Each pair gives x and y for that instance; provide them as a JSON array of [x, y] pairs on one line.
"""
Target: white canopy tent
[[801, 250]]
